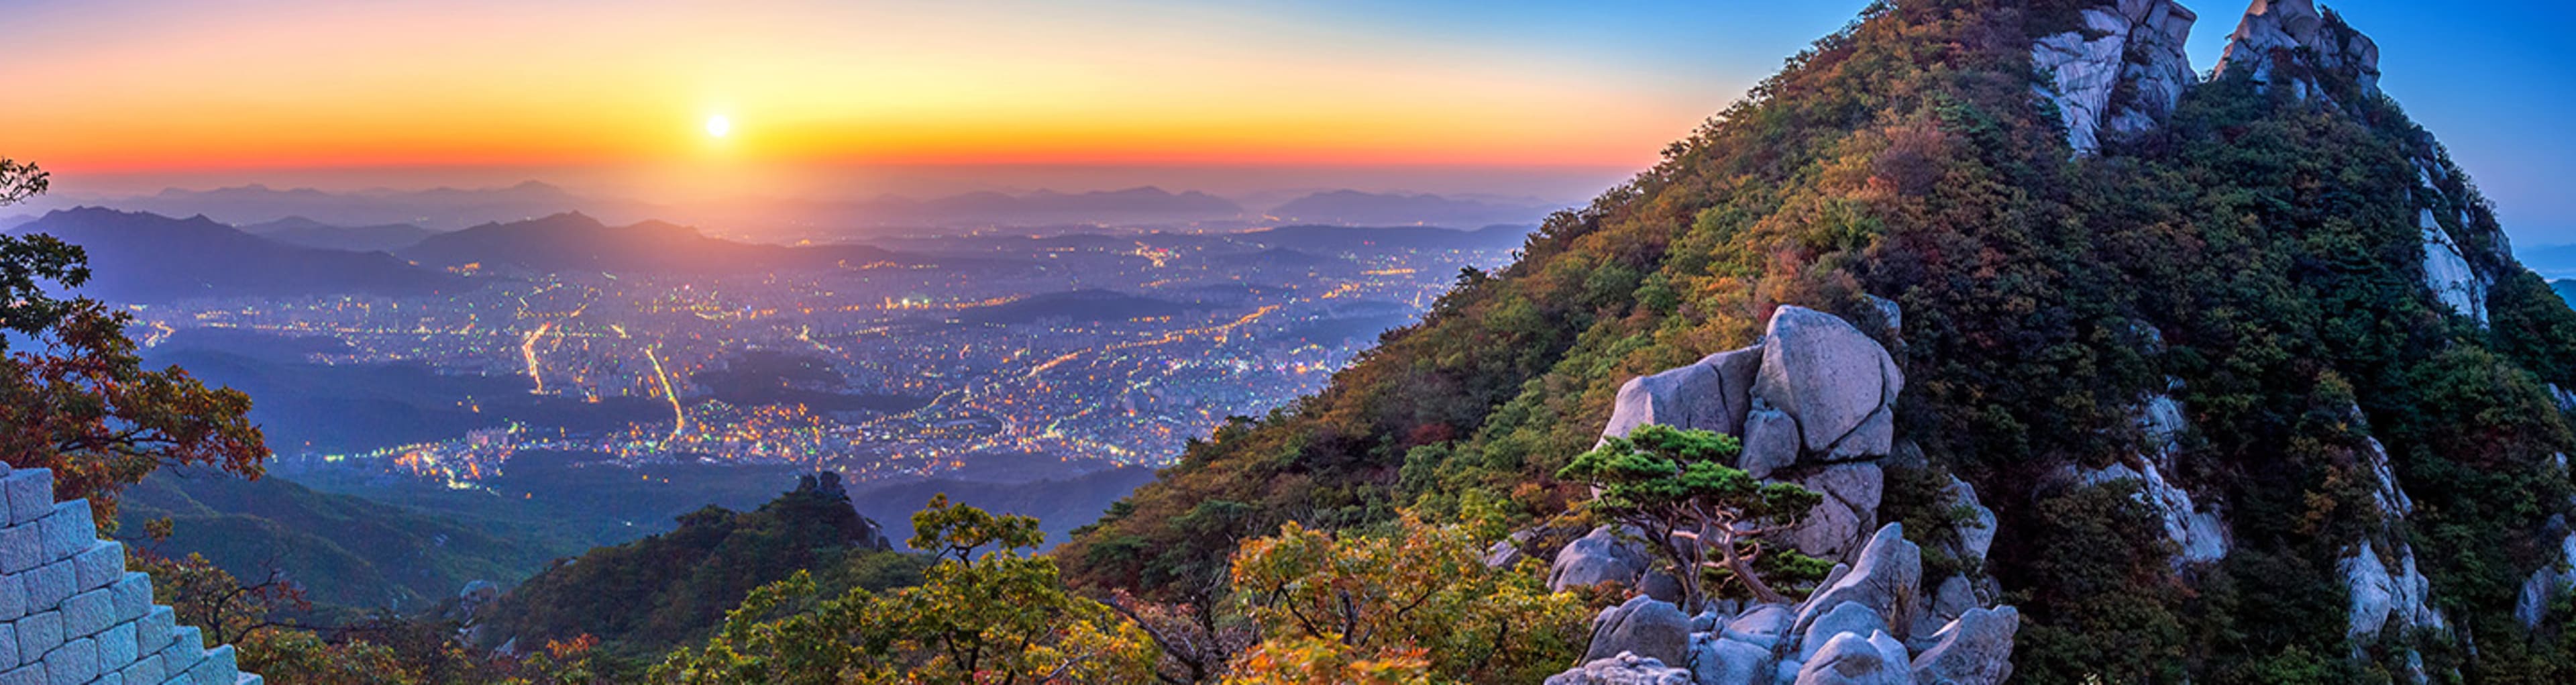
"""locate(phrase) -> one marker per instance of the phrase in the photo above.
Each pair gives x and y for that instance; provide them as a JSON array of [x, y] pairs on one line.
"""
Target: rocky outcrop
[[1834, 381], [2199, 533], [1976, 648], [1709, 395], [1887, 579], [1624, 669], [2120, 75], [1642, 626], [1849, 659], [1596, 558], [1843, 521], [2288, 44], [2546, 585], [2385, 598]]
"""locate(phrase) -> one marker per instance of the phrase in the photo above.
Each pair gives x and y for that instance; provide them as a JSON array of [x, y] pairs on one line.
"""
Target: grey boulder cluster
[[1813, 402], [1872, 622]]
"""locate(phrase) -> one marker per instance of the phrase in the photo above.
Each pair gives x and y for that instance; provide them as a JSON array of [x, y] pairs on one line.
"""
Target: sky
[[841, 98]]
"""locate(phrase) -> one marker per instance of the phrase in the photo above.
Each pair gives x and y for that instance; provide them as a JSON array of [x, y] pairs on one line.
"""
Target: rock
[[1891, 316], [1830, 378], [1770, 441], [1953, 598], [1710, 394], [1762, 626], [1848, 618], [2546, 584], [2199, 536], [2382, 598], [2290, 33], [1841, 522], [1887, 578], [1976, 649], [1850, 659], [1643, 626], [1624, 669], [1976, 535], [1599, 557], [1722, 661], [2138, 43], [2447, 272], [1660, 585]]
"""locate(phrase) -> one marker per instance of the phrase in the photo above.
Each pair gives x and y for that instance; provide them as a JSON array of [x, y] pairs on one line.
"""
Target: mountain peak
[[2136, 43], [2291, 37]]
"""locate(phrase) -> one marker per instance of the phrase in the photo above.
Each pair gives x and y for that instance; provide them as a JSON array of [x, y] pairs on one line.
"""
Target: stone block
[[116, 648], [68, 530], [49, 585], [30, 493], [13, 598], [145, 670], [87, 613], [39, 633], [217, 669], [249, 679], [154, 631], [30, 674], [132, 595], [8, 646], [21, 548], [110, 678], [183, 652], [74, 663], [102, 563]]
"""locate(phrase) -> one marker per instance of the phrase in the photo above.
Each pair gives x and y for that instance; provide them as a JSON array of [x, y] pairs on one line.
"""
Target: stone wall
[[69, 611]]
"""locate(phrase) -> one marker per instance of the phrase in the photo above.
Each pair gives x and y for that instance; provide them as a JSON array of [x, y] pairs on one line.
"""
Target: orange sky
[[139, 87]]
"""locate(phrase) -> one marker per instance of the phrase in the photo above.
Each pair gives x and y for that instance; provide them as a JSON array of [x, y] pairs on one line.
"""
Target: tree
[[81, 402], [1670, 483], [1409, 605], [998, 617]]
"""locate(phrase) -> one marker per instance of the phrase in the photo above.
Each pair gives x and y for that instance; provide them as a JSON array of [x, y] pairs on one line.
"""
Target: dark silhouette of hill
[[440, 207], [1355, 239], [1357, 208], [1076, 305], [573, 241], [145, 257], [296, 230]]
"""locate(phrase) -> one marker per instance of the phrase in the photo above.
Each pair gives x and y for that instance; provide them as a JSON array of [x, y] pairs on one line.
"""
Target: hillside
[[573, 241], [2242, 366], [144, 257], [296, 230]]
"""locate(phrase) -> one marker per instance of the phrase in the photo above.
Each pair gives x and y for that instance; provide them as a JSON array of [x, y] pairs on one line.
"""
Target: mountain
[[648, 595], [438, 207], [348, 553], [1075, 305], [1351, 239], [573, 241], [2239, 368], [144, 257], [296, 230], [1355, 208]]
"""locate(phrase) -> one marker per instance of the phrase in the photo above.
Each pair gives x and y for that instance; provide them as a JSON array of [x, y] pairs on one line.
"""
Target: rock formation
[[71, 613], [2288, 43], [2120, 74]]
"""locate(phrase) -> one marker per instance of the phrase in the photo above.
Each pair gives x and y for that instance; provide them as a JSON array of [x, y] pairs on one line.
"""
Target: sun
[[718, 126]]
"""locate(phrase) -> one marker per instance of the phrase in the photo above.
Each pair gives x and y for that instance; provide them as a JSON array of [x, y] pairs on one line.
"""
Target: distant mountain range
[[573, 241], [296, 230], [144, 257], [1355, 208], [1078, 305], [256, 207]]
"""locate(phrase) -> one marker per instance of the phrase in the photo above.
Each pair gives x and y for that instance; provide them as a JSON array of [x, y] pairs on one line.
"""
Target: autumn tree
[[79, 400], [1674, 485], [1416, 604], [1001, 616]]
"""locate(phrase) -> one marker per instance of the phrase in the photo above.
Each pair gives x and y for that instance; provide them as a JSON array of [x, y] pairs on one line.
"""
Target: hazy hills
[[144, 257], [1355, 208], [574, 241], [296, 230]]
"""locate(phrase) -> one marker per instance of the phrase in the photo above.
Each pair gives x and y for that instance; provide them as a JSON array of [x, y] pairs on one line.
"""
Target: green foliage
[[1000, 617], [644, 597], [1418, 595], [1673, 484]]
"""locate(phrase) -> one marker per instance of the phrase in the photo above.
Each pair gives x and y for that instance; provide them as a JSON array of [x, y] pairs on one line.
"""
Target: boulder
[[1596, 558], [1770, 441], [1887, 578], [1848, 618], [2381, 597], [1761, 626], [1976, 649], [1841, 522], [1623, 669], [1831, 378], [1721, 661], [1642, 626], [1850, 659], [1953, 598], [1975, 534], [1711, 394]]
